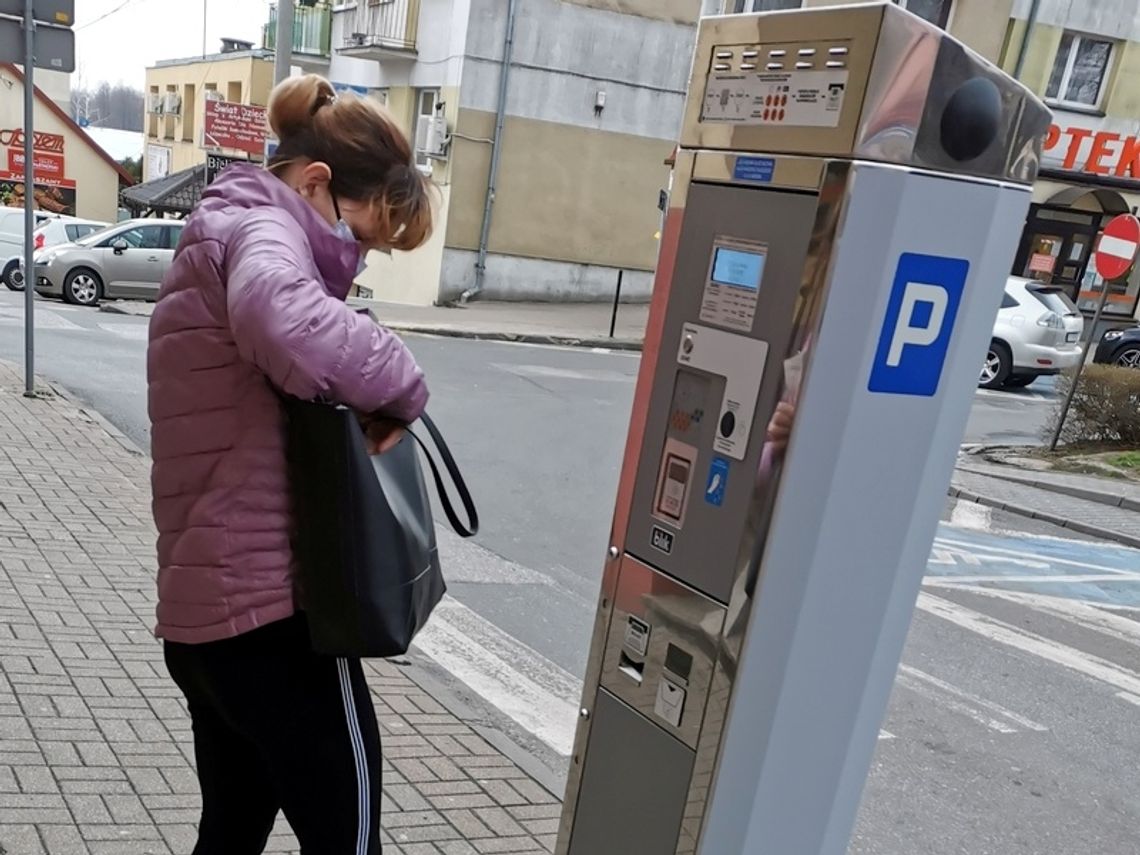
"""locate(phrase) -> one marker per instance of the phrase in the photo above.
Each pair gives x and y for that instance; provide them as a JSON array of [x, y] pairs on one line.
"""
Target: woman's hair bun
[[294, 102]]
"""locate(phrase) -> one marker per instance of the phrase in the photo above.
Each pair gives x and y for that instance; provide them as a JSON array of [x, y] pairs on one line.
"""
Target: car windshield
[[1054, 299], [95, 237]]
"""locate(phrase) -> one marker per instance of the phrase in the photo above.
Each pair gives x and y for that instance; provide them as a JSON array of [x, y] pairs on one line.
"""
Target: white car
[[12, 238], [53, 232], [1037, 332]]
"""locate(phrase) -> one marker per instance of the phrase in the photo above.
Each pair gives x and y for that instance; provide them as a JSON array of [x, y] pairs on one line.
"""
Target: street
[[1013, 725]]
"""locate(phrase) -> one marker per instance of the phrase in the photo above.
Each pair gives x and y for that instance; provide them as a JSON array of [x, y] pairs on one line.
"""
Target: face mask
[[344, 231]]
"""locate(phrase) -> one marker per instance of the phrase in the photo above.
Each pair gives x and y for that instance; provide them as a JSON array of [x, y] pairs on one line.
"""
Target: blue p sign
[[923, 306]]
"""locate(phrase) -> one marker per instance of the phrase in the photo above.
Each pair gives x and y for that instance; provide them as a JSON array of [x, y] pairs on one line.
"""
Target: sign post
[[1114, 257], [48, 42]]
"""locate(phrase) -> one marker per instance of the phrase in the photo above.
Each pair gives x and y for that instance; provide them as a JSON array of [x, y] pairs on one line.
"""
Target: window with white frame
[[426, 102], [936, 12], [737, 6], [1080, 71]]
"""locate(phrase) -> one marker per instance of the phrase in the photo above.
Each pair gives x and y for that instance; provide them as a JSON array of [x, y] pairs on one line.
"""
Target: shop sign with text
[[1094, 146]]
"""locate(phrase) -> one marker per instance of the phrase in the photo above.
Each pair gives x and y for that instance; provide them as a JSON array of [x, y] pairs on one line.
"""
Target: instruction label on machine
[[803, 99]]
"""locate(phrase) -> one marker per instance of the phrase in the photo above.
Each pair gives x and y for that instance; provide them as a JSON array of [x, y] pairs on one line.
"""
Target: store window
[[1080, 70], [936, 12]]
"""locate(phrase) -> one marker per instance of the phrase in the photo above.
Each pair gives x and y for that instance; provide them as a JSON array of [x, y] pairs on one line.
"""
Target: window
[[426, 102], [75, 232], [172, 235], [1079, 71], [1008, 301], [188, 112], [140, 237], [763, 5], [233, 91], [936, 12]]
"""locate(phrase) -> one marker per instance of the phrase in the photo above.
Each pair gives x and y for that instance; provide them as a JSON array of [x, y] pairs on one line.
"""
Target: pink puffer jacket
[[254, 302]]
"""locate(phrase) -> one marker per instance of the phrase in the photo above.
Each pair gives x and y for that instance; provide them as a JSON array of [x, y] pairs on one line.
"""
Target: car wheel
[[997, 367], [1128, 357], [13, 278], [1019, 381], [82, 287]]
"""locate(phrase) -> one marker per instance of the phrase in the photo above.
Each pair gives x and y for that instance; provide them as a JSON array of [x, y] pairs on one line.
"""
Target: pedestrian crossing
[[62, 318]]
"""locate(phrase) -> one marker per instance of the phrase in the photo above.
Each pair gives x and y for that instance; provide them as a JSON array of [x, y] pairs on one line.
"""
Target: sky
[[117, 39]]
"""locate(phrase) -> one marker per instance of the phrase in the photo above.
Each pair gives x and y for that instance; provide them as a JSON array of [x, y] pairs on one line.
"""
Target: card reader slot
[[632, 669]]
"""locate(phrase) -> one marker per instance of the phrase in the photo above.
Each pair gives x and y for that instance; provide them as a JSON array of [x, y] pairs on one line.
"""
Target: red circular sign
[[1118, 246]]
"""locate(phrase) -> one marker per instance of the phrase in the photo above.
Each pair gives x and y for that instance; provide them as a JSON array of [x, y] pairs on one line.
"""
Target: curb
[[622, 344], [112, 309], [1108, 499], [98, 418], [1052, 519]]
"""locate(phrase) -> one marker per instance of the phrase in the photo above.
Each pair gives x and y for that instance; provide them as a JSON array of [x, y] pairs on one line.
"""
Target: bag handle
[[472, 527]]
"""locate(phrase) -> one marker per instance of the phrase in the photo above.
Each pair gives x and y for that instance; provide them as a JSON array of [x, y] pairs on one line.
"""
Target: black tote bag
[[368, 569]]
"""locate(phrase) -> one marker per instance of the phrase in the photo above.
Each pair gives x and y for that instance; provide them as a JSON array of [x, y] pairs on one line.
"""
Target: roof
[[118, 143], [252, 53], [175, 194], [124, 176]]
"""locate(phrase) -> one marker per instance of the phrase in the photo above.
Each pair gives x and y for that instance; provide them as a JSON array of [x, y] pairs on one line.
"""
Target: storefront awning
[[175, 194]]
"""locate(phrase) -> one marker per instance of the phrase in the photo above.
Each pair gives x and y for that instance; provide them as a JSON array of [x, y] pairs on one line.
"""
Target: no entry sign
[[1116, 252]]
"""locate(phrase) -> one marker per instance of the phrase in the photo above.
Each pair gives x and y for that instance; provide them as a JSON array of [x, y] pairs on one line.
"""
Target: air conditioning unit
[[358, 39], [431, 137], [214, 95], [155, 103], [172, 104]]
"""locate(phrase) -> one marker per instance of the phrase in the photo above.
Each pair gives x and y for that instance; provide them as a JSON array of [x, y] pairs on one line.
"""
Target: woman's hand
[[381, 434]]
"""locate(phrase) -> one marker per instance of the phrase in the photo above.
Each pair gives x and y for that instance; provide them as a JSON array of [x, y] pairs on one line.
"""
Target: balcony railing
[[382, 28], [312, 30]]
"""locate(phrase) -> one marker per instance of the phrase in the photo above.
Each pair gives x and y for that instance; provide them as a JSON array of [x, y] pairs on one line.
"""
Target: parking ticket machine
[[849, 192]]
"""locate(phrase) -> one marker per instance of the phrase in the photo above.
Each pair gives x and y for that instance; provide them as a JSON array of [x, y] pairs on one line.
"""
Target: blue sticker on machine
[[754, 169], [717, 483]]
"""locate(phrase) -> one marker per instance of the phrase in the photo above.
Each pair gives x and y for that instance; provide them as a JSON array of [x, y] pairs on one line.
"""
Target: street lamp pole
[[283, 58]]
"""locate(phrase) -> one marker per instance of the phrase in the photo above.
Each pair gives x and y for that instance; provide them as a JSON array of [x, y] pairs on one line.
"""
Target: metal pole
[[496, 154], [1023, 48], [1080, 369], [617, 300], [283, 58], [205, 6], [29, 200]]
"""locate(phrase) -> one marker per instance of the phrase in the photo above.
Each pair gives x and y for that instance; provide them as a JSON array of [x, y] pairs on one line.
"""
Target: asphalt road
[[1014, 722]]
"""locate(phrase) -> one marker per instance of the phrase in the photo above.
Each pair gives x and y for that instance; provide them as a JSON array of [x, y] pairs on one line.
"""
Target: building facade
[[73, 175], [592, 108], [176, 94]]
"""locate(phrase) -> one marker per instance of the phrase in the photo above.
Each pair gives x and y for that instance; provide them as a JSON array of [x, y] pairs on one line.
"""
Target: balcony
[[312, 35], [381, 29]]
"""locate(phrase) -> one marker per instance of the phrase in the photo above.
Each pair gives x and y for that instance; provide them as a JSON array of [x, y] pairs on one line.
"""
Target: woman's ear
[[315, 175]]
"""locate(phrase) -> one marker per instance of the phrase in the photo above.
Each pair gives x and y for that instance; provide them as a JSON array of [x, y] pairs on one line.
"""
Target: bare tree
[[110, 106]]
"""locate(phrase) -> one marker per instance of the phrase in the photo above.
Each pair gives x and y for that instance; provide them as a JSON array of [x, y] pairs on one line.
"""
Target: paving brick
[[95, 744]]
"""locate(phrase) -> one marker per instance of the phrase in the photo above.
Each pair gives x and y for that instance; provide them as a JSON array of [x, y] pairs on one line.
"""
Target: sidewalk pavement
[[572, 324], [95, 750], [1086, 504]]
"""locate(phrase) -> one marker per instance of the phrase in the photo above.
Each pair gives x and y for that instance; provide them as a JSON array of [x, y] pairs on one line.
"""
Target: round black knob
[[971, 119], [727, 424]]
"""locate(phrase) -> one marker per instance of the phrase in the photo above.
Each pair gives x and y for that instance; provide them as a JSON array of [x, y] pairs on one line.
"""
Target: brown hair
[[370, 157]]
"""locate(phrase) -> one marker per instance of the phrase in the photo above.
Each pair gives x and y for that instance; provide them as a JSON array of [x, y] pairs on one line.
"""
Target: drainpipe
[[1023, 48], [496, 155]]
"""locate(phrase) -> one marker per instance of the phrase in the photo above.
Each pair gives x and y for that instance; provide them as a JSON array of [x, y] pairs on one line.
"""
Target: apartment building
[[176, 95], [581, 100]]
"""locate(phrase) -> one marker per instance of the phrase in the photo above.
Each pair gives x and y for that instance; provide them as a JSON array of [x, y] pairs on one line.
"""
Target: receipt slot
[[848, 196]]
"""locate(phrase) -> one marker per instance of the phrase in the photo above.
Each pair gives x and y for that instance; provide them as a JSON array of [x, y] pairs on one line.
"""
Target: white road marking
[[1051, 651], [970, 515], [46, 319], [886, 735], [546, 371], [536, 693], [1132, 699], [953, 705], [998, 709], [974, 549], [132, 332], [960, 581]]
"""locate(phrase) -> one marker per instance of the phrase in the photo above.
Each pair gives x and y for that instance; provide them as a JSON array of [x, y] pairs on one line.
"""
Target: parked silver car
[[53, 232], [125, 261], [12, 238], [1037, 332]]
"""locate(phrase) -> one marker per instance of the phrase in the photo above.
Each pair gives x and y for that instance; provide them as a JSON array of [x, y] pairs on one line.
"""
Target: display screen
[[738, 268]]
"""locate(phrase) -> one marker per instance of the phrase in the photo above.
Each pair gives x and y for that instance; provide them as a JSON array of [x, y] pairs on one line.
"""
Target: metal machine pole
[[283, 58], [29, 201]]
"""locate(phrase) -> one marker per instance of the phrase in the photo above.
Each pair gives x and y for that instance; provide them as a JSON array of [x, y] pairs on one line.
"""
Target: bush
[[1106, 407]]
